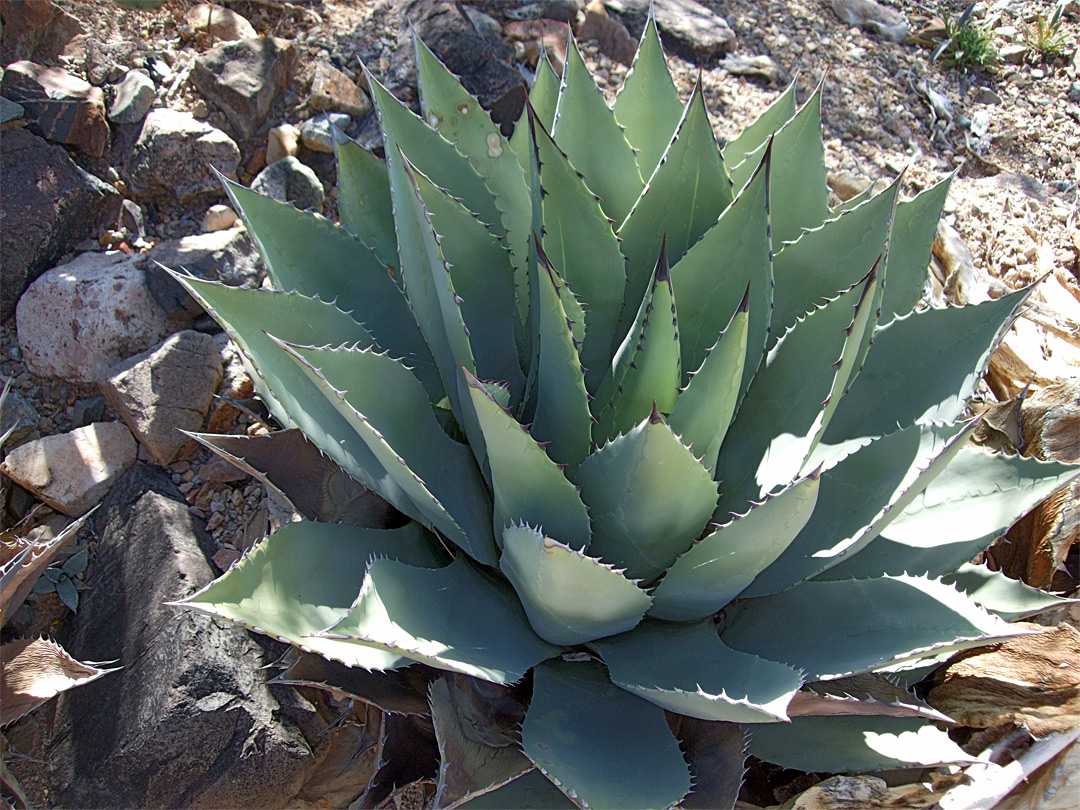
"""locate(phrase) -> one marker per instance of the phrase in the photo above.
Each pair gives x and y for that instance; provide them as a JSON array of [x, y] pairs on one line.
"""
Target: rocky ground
[[111, 117]]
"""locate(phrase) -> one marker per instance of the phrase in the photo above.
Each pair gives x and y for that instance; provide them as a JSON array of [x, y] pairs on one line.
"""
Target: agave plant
[[681, 470]]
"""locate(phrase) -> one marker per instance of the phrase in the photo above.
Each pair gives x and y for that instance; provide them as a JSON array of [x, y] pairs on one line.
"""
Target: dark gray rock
[[227, 256], [59, 106], [482, 64], [165, 391], [244, 78], [289, 180], [189, 720], [172, 159], [48, 204], [685, 25], [34, 29], [19, 414]]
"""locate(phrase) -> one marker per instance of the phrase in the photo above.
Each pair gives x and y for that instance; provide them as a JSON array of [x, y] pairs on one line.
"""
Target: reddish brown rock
[[34, 29], [332, 90], [59, 106]]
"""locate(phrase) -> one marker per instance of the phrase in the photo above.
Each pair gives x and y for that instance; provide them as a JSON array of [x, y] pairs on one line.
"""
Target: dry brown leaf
[[1036, 547], [32, 671], [1032, 681]]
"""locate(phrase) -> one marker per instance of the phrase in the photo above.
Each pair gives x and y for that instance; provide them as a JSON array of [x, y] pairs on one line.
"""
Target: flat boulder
[[60, 107], [35, 29], [72, 471]]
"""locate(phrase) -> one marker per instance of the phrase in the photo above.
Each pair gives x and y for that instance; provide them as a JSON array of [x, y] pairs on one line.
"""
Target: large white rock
[[80, 318], [73, 471]]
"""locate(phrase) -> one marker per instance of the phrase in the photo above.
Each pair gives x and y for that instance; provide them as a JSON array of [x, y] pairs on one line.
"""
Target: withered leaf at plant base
[[1032, 681], [32, 671]]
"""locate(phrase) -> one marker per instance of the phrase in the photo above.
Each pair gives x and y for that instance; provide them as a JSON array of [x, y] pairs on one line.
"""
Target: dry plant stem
[[990, 783]]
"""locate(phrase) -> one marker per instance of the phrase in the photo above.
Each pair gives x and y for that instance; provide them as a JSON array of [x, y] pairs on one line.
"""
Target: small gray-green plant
[[65, 580]]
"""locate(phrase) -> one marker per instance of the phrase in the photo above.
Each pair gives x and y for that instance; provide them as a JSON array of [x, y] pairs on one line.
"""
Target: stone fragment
[[218, 218], [221, 471], [289, 180], [985, 95], [73, 471], [548, 37], [483, 65], [87, 410], [218, 23], [173, 156], [80, 318], [166, 390], [332, 90], [227, 256], [10, 110], [846, 185], [282, 141], [59, 106], [245, 78], [235, 384], [317, 133], [197, 726], [611, 35], [19, 416], [760, 67], [50, 205], [134, 95], [873, 17], [685, 24], [35, 29], [487, 25]]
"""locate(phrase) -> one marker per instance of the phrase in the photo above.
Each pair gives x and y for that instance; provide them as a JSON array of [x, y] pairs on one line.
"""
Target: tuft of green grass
[[1045, 37], [966, 44]]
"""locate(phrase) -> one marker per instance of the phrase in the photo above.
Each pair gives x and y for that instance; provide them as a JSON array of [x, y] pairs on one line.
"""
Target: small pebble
[[218, 218]]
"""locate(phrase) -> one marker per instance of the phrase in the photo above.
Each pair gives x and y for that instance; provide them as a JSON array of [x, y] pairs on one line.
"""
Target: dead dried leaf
[[32, 671], [1032, 681]]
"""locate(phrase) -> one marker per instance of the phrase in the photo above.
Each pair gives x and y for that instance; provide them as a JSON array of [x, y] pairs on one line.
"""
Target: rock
[[173, 156], [10, 110], [289, 180], [80, 318], [613, 38], [1014, 53], [244, 78], [220, 471], [333, 91], [483, 65], [317, 133], [485, 24], [166, 390], [50, 205], [235, 384], [197, 726], [104, 61], [984, 95], [35, 29], [685, 24], [73, 471], [548, 37], [227, 256], [218, 218], [20, 417], [846, 185], [282, 141], [87, 410], [562, 10], [131, 218], [59, 106], [217, 23], [871, 16], [761, 67], [134, 95]]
